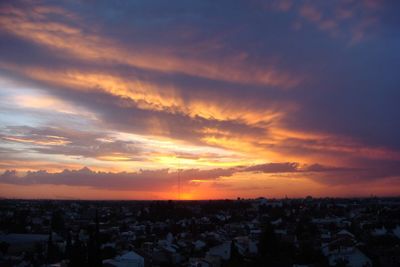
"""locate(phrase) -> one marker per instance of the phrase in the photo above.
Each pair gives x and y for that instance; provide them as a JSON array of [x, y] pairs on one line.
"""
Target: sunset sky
[[122, 99]]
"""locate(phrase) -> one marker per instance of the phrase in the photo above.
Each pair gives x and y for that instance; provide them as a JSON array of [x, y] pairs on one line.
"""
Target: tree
[[236, 258], [78, 254], [269, 245]]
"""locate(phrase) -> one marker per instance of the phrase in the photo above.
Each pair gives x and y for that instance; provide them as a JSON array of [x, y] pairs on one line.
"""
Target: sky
[[199, 99]]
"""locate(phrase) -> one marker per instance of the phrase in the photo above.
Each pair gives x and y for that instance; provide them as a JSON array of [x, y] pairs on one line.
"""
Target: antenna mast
[[179, 179]]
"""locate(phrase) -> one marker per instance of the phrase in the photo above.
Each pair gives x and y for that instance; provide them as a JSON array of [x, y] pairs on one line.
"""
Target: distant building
[[342, 249]]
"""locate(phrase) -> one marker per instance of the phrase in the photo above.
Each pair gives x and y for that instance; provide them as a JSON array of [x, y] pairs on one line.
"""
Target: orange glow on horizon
[[94, 112]]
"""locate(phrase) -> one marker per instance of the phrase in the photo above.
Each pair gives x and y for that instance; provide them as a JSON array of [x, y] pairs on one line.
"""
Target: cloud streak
[[144, 180], [165, 179]]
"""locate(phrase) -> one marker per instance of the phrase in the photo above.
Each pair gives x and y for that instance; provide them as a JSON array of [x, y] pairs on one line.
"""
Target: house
[[379, 231], [352, 256], [223, 251], [343, 248], [199, 245], [396, 231], [199, 262], [128, 259]]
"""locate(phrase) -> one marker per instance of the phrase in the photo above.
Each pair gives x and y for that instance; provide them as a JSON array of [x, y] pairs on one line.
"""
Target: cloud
[[157, 95], [164, 179], [311, 13], [295, 167], [369, 170], [36, 25], [56, 140], [274, 167], [231, 84], [321, 168], [144, 180], [354, 21]]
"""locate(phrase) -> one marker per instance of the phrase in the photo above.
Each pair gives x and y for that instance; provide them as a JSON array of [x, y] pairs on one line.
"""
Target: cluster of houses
[[243, 232]]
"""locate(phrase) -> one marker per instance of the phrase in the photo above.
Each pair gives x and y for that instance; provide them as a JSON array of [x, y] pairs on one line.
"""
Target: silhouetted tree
[[268, 245], [236, 258], [78, 254]]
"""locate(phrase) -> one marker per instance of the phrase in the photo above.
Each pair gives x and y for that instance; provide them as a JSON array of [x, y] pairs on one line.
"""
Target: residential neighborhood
[[243, 232]]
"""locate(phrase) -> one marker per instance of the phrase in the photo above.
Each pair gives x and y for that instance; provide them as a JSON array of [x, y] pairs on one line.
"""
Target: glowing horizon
[[275, 99]]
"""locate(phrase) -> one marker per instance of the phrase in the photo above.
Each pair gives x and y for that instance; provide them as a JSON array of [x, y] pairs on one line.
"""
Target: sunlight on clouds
[[246, 108], [114, 158], [179, 155], [36, 27], [150, 96], [50, 140], [174, 162], [172, 145], [236, 144], [42, 101]]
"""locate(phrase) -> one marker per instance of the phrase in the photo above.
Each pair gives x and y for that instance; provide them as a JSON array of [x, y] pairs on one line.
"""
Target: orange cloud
[[35, 27]]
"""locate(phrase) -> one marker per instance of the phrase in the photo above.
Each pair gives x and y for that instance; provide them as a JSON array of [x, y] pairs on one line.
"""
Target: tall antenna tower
[[179, 179]]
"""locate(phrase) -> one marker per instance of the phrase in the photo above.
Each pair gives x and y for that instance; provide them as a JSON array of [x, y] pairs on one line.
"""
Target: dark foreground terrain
[[243, 232]]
